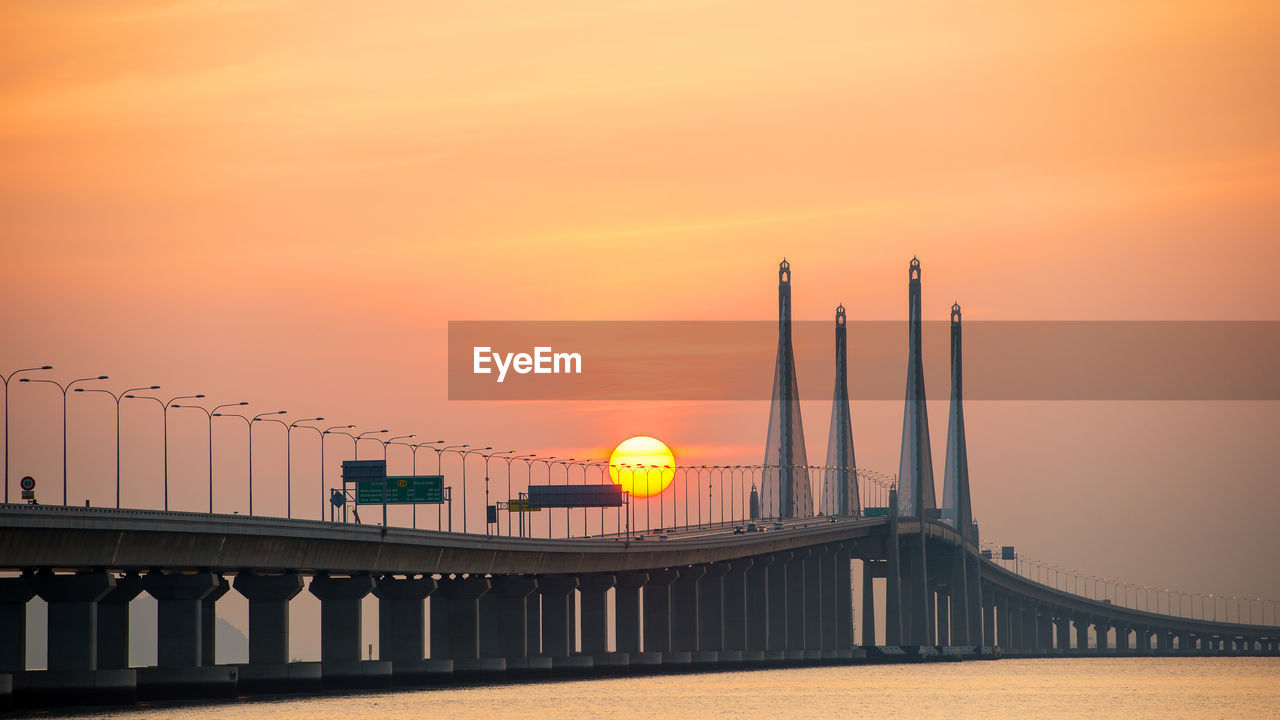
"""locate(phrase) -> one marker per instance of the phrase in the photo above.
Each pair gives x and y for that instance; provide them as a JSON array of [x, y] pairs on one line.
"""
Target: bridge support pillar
[[796, 601], [209, 622], [813, 612], [113, 623], [1101, 629], [626, 600], [1082, 634], [868, 605], [14, 594], [179, 614], [958, 602], [988, 617], [73, 616], [1122, 639], [758, 615], [657, 610], [973, 584], [686, 615], [340, 606], [269, 597], [402, 622], [1044, 636], [711, 606], [1064, 631], [893, 602], [455, 621], [595, 619], [508, 618], [777, 603], [557, 594], [735, 604], [840, 600], [943, 607]]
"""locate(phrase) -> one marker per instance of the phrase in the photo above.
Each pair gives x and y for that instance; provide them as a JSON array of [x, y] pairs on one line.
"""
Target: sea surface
[[1124, 688]]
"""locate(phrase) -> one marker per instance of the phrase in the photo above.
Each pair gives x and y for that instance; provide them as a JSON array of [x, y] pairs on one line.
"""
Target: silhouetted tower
[[915, 468], [840, 480], [915, 476], [786, 488], [956, 507], [965, 599]]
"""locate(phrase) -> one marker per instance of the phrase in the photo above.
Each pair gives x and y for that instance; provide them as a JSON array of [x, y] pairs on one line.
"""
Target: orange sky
[[286, 202]]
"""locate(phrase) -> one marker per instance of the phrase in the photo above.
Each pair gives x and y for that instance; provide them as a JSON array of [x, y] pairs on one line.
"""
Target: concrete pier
[[341, 663], [401, 628], [113, 622]]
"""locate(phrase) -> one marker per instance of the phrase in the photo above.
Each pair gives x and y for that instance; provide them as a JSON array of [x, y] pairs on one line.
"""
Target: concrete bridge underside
[[513, 608]]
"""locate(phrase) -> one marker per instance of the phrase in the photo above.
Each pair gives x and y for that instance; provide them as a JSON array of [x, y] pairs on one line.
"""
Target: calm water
[[1127, 688]]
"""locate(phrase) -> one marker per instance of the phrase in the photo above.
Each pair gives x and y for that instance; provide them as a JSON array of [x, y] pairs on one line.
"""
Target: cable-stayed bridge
[[760, 577]]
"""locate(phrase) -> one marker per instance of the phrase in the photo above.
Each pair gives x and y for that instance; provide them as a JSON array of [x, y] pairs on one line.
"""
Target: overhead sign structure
[[1007, 553], [355, 470], [875, 512], [401, 490], [521, 505], [575, 496]]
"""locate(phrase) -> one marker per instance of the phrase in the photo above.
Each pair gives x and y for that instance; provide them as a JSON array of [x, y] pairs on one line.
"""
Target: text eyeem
[[542, 362]]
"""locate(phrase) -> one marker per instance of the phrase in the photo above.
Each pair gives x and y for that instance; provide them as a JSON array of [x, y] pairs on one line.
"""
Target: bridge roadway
[[501, 607]]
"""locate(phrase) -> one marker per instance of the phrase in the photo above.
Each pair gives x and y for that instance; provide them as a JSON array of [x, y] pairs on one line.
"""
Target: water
[[1127, 688]]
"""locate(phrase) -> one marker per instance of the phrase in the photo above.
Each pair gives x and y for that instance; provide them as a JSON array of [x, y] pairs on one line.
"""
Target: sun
[[642, 466]]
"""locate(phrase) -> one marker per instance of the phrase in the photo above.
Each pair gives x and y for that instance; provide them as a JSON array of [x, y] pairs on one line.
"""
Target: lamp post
[[117, 399], [361, 437], [288, 462], [547, 461], [209, 416], [6, 379], [415, 472], [464, 455], [288, 465], [486, 481], [439, 471], [256, 418], [509, 461], [385, 443], [338, 430], [64, 389], [323, 434], [164, 412]]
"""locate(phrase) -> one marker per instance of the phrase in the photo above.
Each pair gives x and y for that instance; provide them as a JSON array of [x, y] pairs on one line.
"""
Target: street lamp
[[257, 418], [117, 399], [486, 482], [209, 415], [64, 389], [385, 443], [6, 379], [288, 462], [164, 411], [464, 455], [324, 433], [361, 437], [339, 430], [415, 447]]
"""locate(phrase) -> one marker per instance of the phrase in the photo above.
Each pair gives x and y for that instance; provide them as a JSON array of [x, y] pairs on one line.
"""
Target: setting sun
[[642, 466]]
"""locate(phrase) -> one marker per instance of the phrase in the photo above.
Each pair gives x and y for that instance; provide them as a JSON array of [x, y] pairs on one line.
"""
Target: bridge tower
[[957, 508], [840, 486], [915, 473], [787, 492], [915, 467]]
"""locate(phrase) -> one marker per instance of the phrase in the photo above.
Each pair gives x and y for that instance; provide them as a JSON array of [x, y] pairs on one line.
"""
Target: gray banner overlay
[[734, 360]]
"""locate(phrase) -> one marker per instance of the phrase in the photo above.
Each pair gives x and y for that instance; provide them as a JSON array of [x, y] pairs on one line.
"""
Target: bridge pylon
[[840, 480], [787, 491]]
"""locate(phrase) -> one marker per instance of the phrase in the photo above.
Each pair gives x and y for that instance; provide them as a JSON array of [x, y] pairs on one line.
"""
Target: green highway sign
[[402, 490]]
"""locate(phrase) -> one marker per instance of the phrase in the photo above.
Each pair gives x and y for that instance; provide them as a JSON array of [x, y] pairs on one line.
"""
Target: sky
[[285, 203]]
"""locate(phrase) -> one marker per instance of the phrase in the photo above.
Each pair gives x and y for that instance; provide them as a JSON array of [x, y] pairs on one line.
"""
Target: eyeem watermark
[[543, 361]]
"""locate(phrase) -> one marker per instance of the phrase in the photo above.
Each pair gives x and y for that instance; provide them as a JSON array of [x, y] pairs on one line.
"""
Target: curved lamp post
[[64, 389], [323, 434], [288, 451], [164, 412], [6, 379], [209, 415], [464, 455], [117, 399]]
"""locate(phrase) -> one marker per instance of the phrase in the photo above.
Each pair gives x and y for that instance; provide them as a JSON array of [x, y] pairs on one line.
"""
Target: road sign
[[336, 498], [402, 490], [356, 470], [1007, 553], [576, 496], [875, 512], [521, 505], [28, 483], [28, 494]]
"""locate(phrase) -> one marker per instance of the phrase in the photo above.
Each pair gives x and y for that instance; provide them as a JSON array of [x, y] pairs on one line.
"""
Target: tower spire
[[840, 480], [787, 492], [915, 466], [956, 506]]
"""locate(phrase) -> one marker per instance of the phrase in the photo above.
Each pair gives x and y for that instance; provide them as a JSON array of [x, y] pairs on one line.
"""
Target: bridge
[[770, 587]]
